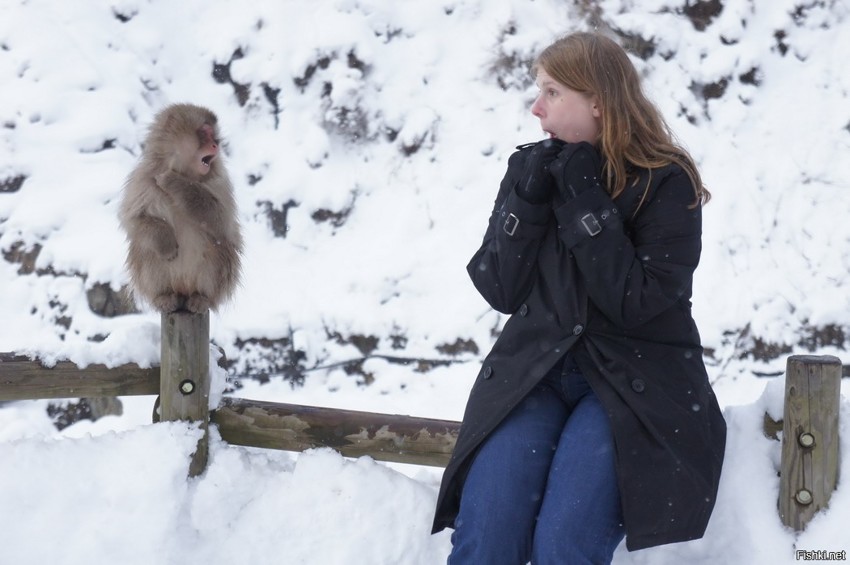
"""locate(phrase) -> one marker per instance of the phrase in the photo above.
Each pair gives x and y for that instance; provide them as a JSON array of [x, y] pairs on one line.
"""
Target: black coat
[[612, 286]]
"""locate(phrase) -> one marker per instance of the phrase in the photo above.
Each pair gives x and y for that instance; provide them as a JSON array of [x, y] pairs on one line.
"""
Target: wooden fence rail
[[402, 439], [24, 379], [809, 465], [182, 383]]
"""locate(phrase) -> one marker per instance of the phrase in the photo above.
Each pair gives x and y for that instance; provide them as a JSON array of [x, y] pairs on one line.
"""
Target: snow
[[406, 150]]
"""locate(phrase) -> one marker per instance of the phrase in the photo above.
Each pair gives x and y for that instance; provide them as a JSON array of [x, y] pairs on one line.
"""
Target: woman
[[592, 418]]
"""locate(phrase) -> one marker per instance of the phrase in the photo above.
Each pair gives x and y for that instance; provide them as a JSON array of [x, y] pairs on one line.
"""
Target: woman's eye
[[551, 92]]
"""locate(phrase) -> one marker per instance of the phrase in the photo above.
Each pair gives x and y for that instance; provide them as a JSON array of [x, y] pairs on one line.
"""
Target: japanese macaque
[[180, 215]]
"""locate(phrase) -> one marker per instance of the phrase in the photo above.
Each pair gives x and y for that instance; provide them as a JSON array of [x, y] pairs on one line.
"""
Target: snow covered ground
[[379, 130]]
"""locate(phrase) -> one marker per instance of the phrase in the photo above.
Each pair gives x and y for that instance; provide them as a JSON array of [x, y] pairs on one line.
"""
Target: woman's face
[[565, 113]]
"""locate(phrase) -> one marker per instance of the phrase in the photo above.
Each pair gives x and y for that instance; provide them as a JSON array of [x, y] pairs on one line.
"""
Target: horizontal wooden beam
[[24, 379], [290, 427]]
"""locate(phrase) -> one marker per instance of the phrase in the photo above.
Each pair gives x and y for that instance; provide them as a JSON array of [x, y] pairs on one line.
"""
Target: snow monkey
[[180, 215]]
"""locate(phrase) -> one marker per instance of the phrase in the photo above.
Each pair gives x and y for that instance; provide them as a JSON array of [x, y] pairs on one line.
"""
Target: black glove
[[576, 168], [536, 185]]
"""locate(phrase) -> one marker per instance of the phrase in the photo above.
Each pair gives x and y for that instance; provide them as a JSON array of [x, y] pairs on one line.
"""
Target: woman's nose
[[536, 108]]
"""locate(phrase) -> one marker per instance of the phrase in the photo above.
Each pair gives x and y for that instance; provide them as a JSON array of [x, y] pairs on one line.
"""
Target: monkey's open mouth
[[207, 159]]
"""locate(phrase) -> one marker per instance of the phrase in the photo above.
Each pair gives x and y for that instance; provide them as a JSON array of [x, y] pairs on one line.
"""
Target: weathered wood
[[771, 428], [809, 470], [24, 379], [290, 427], [185, 376]]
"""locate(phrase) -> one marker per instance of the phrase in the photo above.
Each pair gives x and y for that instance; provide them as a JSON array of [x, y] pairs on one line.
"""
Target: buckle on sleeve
[[511, 224], [591, 224]]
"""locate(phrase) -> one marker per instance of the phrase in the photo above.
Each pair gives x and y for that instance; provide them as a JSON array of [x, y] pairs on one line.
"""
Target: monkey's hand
[[170, 181], [199, 204], [152, 234], [165, 243]]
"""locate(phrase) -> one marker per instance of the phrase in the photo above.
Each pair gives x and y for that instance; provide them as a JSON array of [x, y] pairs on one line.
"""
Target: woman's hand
[[536, 184], [576, 168]]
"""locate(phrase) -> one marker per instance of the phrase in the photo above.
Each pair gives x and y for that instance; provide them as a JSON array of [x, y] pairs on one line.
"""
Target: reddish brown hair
[[634, 134]]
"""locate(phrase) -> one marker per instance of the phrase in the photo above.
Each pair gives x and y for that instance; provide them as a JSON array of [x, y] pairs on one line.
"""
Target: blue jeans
[[543, 486]]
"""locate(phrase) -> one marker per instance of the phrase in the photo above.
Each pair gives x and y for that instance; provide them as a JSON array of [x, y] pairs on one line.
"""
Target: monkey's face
[[194, 154], [184, 139], [208, 149]]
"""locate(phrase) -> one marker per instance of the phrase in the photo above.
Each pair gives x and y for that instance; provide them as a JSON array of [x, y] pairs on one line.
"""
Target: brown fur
[[180, 215]]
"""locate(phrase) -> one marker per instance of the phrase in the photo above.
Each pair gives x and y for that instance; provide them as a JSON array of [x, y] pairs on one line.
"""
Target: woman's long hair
[[634, 134]]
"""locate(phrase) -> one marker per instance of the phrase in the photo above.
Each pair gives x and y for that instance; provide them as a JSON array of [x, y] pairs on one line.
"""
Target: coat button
[[578, 329], [638, 385], [523, 310], [488, 372]]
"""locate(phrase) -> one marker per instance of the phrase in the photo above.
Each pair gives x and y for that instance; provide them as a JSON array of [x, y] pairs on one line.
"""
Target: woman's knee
[[578, 545], [504, 487], [580, 520]]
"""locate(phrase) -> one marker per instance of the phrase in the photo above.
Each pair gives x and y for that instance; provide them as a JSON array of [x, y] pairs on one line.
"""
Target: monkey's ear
[[170, 120], [163, 123]]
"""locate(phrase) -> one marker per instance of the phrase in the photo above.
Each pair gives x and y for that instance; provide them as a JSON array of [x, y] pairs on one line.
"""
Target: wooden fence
[[810, 457], [183, 385], [809, 466]]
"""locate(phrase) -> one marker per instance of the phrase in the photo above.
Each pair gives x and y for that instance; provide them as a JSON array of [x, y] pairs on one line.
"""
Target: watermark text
[[821, 555]]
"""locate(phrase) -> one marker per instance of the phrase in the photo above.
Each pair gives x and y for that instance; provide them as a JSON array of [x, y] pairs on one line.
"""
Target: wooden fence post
[[809, 471], [185, 376]]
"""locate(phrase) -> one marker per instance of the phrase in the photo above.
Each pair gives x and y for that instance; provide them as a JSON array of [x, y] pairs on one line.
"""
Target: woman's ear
[[595, 107]]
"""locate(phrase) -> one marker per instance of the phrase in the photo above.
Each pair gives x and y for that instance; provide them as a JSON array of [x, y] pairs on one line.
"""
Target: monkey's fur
[[180, 215]]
